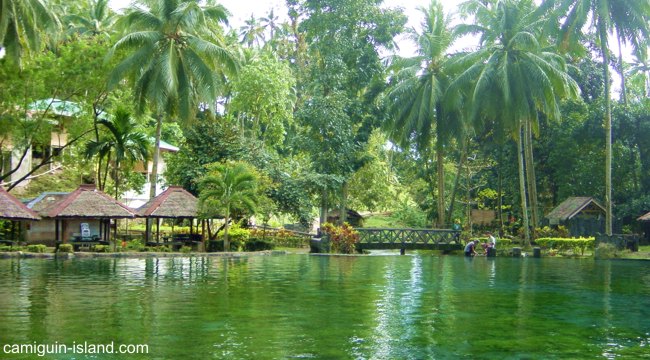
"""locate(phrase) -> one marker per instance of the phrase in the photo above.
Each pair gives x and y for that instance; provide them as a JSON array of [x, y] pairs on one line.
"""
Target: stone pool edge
[[133, 255]]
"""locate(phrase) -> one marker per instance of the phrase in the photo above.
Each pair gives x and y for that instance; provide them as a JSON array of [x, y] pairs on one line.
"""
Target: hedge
[[564, 244]]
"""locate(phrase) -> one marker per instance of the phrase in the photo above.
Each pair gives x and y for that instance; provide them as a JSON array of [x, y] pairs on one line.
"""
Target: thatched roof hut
[[88, 202], [583, 216], [70, 215], [173, 203], [12, 209]]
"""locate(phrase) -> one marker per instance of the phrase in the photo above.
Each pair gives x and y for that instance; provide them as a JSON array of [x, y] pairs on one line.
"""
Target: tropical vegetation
[[289, 117]]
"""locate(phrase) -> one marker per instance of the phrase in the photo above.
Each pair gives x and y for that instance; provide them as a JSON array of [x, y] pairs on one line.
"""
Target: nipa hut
[[15, 211], [582, 216], [82, 215], [352, 217], [173, 203]]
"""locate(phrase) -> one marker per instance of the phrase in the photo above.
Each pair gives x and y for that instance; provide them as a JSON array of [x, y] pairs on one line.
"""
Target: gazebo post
[[56, 232], [115, 236], [158, 230], [203, 235], [147, 229]]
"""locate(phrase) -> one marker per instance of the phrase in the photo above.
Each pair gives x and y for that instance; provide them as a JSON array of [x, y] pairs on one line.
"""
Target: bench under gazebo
[[83, 217], [15, 211], [174, 203]]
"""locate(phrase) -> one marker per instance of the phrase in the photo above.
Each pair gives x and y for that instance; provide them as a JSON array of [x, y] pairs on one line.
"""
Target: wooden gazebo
[[15, 211], [88, 210], [173, 203]]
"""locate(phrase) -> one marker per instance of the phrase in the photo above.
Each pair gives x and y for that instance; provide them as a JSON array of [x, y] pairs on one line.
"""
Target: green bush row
[[565, 244], [37, 248], [65, 248]]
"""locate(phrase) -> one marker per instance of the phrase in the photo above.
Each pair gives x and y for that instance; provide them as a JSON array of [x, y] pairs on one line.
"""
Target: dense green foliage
[[319, 113]]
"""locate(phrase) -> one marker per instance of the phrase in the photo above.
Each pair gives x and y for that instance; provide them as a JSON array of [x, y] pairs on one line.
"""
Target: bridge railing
[[408, 236]]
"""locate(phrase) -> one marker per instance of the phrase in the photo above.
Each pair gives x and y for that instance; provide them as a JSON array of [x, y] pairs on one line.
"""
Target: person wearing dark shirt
[[470, 248]]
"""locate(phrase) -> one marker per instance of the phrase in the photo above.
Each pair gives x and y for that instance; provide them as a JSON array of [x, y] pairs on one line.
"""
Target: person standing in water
[[470, 248]]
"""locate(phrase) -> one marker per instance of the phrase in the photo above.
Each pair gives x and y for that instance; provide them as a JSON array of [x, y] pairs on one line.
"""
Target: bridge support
[[402, 251]]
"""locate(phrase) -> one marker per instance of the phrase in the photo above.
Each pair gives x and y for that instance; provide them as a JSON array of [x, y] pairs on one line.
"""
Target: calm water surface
[[299, 306]]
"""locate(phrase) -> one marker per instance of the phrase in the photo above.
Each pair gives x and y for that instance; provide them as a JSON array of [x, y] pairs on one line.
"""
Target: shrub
[[186, 249], [564, 244], [215, 245], [65, 248], [237, 237], [343, 239], [38, 248], [255, 244], [548, 232], [606, 251], [6, 248], [282, 237], [100, 248], [135, 245], [160, 248], [411, 216]]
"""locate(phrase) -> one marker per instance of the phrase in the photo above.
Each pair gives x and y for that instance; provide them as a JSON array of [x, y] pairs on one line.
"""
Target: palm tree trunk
[[99, 173], [622, 65], [608, 132], [500, 190], [441, 182], [226, 241], [530, 175], [461, 163], [108, 162], [522, 186], [156, 155]]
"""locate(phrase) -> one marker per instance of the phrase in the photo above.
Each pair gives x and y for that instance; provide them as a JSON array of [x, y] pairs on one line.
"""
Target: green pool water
[[327, 307]]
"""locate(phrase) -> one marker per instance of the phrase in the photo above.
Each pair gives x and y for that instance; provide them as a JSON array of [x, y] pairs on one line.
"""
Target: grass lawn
[[643, 253], [385, 220]]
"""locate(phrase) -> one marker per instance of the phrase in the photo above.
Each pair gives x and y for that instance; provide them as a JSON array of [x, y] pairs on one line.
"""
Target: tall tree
[[227, 188], [420, 112], [605, 15], [514, 78], [341, 67], [252, 32], [97, 21], [270, 23], [172, 58], [21, 22]]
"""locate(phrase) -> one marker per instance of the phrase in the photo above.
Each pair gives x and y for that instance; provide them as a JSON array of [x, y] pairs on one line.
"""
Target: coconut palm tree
[[21, 25], [123, 141], [629, 18], [252, 32], [227, 188], [641, 65], [98, 21], [419, 112], [270, 22], [172, 60], [514, 78]]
